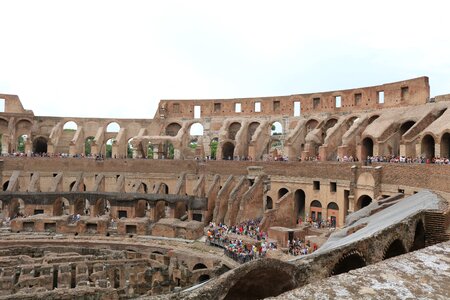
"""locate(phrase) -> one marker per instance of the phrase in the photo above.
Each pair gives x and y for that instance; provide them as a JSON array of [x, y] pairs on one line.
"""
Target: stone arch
[[406, 126], [351, 120], [40, 145], [316, 210], [350, 261], [199, 266], [108, 148], [172, 129], [5, 185], [23, 126], [367, 148], [311, 124], [428, 145], [329, 124], [164, 189], [88, 144], [70, 126], [363, 201], [233, 130], [82, 207], [269, 202], [21, 140], [16, 208], [141, 208], [282, 192], [102, 207], [300, 202], [61, 206], [419, 237], [251, 130], [113, 127], [333, 213], [213, 147], [196, 129], [276, 128], [445, 145], [228, 151], [281, 276], [373, 118], [395, 248], [203, 278], [365, 179]]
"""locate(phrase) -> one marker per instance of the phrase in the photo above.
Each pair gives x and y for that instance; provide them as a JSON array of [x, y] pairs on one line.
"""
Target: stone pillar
[[323, 153], [403, 150], [5, 144], [437, 150]]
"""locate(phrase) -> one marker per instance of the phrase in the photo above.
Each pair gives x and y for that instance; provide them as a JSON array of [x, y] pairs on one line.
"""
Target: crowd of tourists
[[298, 247], [397, 159], [243, 242]]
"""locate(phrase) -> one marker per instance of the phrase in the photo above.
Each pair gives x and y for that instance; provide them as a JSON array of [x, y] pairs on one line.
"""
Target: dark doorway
[[419, 237], [428, 144], [228, 151], [445, 145], [300, 199], [350, 262], [396, 248], [40, 145], [367, 144], [363, 201]]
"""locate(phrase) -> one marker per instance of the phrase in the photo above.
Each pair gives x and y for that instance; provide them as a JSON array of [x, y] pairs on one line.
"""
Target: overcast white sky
[[119, 58]]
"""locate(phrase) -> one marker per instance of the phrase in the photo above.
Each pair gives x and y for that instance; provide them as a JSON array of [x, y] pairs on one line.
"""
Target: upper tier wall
[[434, 177], [402, 93]]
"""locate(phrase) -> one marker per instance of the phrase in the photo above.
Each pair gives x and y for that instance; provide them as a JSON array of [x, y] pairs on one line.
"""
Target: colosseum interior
[[122, 208]]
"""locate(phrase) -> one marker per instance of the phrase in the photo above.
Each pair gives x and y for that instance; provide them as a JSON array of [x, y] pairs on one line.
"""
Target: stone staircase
[[436, 228]]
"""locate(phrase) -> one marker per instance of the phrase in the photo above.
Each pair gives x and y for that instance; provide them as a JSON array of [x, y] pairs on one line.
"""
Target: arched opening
[[116, 278], [130, 148], [282, 192], [228, 151], [102, 207], [350, 262], [199, 266], [142, 188], [82, 207], [276, 128], [333, 213], [21, 141], [87, 145], [109, 146], [61, 207], [70, 126], [311, 125], [300, 200], [169, 150], [445, 145], [316, 210], [367, 148], [373, 118], [141, 208], [150, 151], [363, 201], [254, 283], [329, 124], [17, 208], [164, 189], [40, 145], [203, 278], [172, 129], [113, 127], [196, 129], [233, 130], [269, 202], [419, 237], [213, 147], [396, 248], [428, 144], [5, 185], [251, 130], [406, 126]]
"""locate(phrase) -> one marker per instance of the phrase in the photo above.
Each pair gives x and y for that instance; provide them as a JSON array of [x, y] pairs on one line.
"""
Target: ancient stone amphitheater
[[97, 208]]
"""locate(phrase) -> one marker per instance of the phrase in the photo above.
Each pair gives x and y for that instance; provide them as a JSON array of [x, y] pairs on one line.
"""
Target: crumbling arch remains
[[172, 129], [395, 248], [282, 192], [363, 201], [419, 237], [233, 130], [228, 151], [351, 261], [40, 145], [428, 144], [445, 145], [61, 207]]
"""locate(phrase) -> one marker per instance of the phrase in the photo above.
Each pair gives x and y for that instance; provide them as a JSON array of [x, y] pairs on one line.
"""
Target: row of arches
[[427, 146]]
